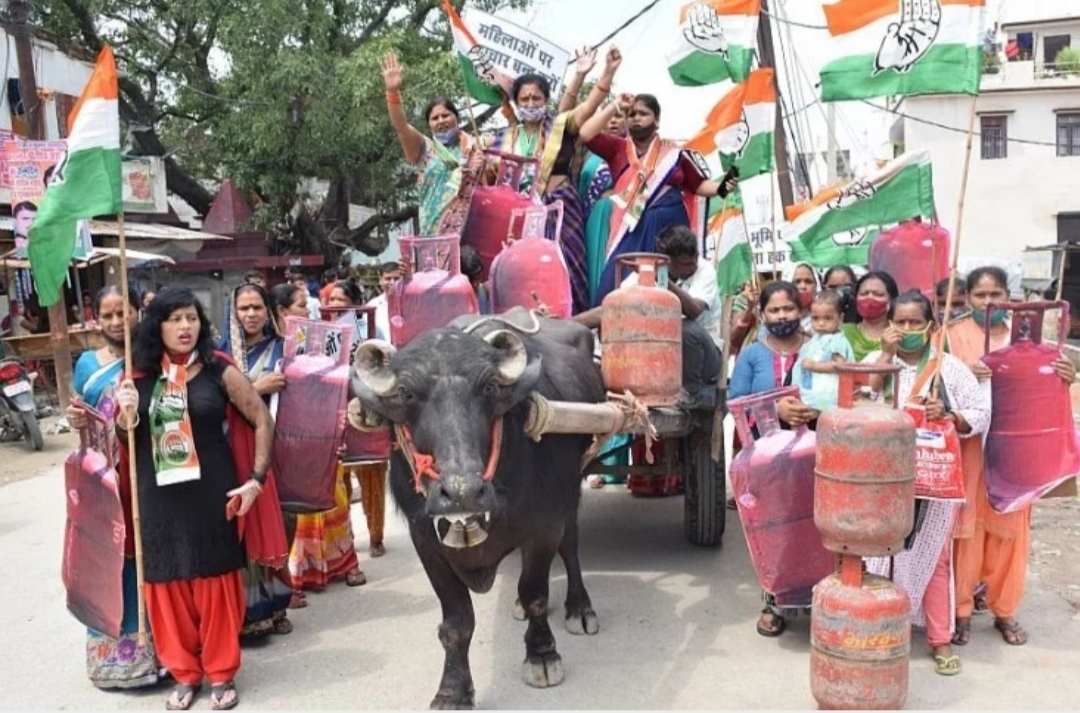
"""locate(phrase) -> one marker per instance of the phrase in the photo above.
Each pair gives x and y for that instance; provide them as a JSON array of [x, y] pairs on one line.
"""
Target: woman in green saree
[[449, 164]]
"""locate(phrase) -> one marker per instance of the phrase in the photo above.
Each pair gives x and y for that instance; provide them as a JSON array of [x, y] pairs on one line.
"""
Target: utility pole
[[767, 57], [19, 27], [832, 150]]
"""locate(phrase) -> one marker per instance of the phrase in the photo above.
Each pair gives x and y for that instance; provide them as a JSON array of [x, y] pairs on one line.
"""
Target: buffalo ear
[[374, 383]]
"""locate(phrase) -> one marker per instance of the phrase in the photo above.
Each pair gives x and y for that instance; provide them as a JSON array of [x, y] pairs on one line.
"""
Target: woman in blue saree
[[251, 339], [122, 662]]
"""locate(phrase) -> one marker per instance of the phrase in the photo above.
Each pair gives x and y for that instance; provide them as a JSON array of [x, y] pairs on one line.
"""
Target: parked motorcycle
[[17, 406]]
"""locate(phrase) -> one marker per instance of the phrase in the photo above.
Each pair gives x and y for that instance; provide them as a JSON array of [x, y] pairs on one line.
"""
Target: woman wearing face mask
[[924, 569], [806, 282], [654, 181], [449, 163], [841, 279], [553, 141], [990, 546], [122, 662], [873, 293], [765, 365]]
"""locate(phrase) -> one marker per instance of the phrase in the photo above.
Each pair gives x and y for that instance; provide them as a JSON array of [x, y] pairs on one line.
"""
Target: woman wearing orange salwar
[[990, 546]]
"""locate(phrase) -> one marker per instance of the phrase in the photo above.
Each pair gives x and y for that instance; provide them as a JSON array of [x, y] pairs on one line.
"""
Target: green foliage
[[272, 92], [1068, 60]]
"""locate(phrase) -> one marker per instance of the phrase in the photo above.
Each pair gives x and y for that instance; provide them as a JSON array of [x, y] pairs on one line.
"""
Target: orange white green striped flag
[[734, 258], [903, 47], [716, 42], [740, 126], [86, 182], [483, 80]]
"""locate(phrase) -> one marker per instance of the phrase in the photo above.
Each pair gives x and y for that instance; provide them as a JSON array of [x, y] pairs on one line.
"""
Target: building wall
[[54, 71], [1011, 203]]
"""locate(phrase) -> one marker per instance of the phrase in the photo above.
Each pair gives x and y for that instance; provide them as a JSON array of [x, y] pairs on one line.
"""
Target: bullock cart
[[693, 448]]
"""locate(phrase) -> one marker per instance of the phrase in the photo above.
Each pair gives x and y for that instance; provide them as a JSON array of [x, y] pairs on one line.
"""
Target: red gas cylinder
[[95, 532], [860, 643], [773, 482], [916, 254], [488, 223], [533, 268], [1031, 446], [864, 485], [433, 292], [641, 334]]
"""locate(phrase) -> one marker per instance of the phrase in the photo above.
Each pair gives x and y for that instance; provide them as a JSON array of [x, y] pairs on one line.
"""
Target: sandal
[[777, 627], [298, 600], [355, 578], [596, 482], [223, 697], [1013, 633], [182, 696], [946, 665], [962, 635], [283, 626]]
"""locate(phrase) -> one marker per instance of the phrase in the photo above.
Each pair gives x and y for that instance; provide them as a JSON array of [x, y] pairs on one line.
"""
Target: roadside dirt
[[18, 461], [1055, 547]]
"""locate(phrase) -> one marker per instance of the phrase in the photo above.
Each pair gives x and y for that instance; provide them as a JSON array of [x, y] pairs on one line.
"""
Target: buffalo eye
[[491, 389], [405, 395]]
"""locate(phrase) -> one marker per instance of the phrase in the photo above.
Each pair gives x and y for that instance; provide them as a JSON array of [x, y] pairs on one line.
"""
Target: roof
[[138, 231], [230, 212], [1034, 12], [135, 257]]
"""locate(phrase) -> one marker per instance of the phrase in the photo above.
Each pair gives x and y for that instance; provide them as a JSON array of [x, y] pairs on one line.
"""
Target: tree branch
[[379, 220], [377, 23]]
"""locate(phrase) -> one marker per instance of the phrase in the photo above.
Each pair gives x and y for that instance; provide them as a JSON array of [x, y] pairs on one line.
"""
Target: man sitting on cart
[[693, 281]]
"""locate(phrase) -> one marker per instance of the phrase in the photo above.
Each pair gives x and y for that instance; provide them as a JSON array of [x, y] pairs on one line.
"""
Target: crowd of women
[[957, 550], [203, 438], [620, 185]]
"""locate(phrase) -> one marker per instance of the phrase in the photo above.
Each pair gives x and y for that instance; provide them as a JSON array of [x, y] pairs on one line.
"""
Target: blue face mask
[[997, 318], [449, 136], [531, 114]]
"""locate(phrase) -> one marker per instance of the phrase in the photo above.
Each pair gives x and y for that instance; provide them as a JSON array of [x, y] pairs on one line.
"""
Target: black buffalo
[[447, 388]]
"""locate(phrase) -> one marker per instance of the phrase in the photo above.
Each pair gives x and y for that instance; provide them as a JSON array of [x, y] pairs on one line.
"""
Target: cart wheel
[[705, 513]]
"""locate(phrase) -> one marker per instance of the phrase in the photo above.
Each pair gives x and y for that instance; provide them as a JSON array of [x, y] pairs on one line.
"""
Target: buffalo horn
[[370, 367], [514, 358]]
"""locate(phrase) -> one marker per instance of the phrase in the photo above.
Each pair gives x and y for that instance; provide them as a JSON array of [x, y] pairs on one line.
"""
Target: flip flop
[[217, 697], [1019, 636], [183, 692], [962, 633], [778, 627], [947, 665]]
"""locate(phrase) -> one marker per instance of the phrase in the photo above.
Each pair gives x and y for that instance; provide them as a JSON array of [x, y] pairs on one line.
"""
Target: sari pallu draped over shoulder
[[262, 530]]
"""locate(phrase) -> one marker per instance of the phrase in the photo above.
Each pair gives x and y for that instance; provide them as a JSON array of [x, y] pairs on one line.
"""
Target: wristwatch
[[259, 478]]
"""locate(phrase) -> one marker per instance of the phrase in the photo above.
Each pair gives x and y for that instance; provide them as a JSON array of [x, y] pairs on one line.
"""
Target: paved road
[[677, 630]]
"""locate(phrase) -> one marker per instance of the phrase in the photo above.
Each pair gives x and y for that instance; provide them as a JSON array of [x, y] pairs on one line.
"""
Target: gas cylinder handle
[[512, 165], [1035, 308], [651, 262], [450, 260], [758, 404], [532, 216], [852, 375]]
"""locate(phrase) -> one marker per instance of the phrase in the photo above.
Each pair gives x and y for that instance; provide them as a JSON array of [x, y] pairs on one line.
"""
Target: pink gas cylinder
[[915, 253], [309, 423], [533, 268], [1031, 446], [433, 292], [95, 532], [489, 213], [773, 482]]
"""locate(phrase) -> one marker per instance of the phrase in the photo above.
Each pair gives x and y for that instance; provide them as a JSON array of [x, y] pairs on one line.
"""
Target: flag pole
[[956, 238], [136, 521]]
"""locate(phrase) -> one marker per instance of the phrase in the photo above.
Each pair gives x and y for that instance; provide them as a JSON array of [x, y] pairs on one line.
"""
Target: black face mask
[[783, 330], [642, 133]]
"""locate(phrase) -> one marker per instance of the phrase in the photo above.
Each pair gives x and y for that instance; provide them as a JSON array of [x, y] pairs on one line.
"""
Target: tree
[[272, 92]]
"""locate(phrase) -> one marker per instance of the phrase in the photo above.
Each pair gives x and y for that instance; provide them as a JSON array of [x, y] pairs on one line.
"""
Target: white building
[[1024, 183]]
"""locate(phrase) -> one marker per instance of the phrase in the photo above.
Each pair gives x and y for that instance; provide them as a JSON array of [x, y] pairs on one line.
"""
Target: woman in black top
[[184, 404]]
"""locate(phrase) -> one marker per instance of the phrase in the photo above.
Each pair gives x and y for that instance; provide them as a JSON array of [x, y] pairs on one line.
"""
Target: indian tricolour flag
[[474, 60], [903, 47], [86, 182], [899, 190], [740, 126], [734, 259], [716, 42]]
